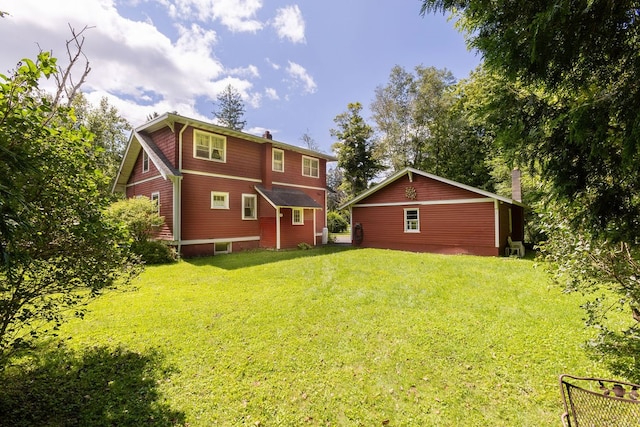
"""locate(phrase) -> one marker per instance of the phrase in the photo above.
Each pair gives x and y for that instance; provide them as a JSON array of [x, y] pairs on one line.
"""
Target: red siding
[[199, 221], [453, 228], [460, 228], [167, 142], [426, 189], [247, 164], [243, 158]]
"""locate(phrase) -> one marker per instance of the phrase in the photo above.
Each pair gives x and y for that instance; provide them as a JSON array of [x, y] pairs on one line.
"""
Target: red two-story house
[[221, 190]]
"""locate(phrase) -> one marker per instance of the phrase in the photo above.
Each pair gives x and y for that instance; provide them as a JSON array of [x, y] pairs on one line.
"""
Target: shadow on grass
[[257, 257], [99, 387]]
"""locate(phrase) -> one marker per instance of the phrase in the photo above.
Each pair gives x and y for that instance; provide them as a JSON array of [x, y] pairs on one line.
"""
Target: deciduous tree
[[57, 250]]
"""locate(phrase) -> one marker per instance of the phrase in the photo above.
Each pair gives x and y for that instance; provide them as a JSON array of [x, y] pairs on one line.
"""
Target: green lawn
[[330, 336]]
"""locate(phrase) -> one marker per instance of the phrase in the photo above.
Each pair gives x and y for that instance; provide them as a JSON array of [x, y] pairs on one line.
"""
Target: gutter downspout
[[496, 205], [177, 195]]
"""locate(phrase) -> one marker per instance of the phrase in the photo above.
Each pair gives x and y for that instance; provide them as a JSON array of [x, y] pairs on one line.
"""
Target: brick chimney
[[516, 186], [267, 135]]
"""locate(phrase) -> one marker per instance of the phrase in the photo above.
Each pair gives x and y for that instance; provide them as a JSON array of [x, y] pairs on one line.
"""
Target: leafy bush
[[154, 252], [139, 216], [336, 223]]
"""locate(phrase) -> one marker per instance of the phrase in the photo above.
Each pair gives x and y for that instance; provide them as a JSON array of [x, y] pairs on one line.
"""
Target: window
[[155, 198], [249, 202], [221, 248], [310, 167], [145, 161], [219, 200], [411, 220], [297, 216], [209, 146], [277, 163]]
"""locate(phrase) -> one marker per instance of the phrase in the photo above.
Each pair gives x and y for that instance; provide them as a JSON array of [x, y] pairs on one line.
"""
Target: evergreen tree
[[355, 149], [230, 109]]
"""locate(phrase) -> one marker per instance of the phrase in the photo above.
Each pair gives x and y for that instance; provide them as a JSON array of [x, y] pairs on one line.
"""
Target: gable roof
[[287, 197], [139, 139], [408, 171]]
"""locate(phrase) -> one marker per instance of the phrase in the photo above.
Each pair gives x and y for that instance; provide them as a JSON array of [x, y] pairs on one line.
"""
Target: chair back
[[599, 402]]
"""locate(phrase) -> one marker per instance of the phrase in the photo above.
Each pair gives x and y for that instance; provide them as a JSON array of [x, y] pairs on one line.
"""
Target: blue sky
[[296, 64]]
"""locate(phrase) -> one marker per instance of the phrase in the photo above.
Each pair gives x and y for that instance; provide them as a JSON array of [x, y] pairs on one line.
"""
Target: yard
[[329, 336]]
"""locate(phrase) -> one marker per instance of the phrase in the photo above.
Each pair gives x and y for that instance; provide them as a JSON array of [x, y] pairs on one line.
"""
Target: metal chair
[[597, 402]]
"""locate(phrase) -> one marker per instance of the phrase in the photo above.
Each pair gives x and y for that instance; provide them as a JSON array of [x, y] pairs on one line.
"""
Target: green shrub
[[154, 252], [304, 246], [336, 223]]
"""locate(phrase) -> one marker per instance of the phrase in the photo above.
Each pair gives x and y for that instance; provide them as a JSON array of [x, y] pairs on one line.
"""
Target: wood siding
[[199, 221], [456, 227], [246, 165]]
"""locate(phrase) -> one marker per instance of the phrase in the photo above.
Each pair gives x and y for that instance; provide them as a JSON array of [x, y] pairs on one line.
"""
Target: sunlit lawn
[[334, 337]]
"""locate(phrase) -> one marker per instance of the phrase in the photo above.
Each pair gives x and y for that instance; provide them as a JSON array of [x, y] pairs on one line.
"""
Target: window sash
[[209, 146], [219, 200], [145, 161], [297, 216], [249, 206], [412, 220], [155, 198], [310, 167], [277, 160]]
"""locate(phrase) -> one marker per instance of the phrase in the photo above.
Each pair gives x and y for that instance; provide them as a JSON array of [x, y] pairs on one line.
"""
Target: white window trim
[[417, 220], [226, 251], [255, 207], [156, 196], [312, 159], [226, 200], [211, 136], [293, 221], [145, 162], [273, 159]]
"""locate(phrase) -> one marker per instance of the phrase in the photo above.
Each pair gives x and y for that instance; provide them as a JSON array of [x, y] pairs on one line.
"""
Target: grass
[[330, 336]]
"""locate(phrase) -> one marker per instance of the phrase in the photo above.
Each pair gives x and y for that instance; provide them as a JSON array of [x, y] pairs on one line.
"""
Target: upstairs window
[[219, 200], [310, 167], [277, 163], [209, 146], [249, 206], [297, 216], [411, 220], [145, 161]]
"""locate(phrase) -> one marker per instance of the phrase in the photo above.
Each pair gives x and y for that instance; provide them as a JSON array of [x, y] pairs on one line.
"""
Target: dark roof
[[287, 197]]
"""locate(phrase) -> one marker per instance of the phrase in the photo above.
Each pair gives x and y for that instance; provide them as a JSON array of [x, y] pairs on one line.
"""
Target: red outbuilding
[[221, 190], [416, 211]]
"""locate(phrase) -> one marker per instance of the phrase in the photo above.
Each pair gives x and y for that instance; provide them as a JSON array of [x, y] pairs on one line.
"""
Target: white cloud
[[236, 15], [289, 24], [140, 69], [301, 76], [249, 71], [271, 93], [272, 64]]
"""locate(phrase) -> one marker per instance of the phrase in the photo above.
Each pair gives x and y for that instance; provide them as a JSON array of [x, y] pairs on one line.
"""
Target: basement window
[[221, 248]]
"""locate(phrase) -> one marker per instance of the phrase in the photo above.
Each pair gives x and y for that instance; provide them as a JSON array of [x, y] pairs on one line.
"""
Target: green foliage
[[416, 339], [230, 109], [424, 122], [304, 246], [110, 133], [139, 216], [570, 108], [336, 223], [354, 150], [154, 252], [583, 262], [57, 250]]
